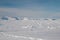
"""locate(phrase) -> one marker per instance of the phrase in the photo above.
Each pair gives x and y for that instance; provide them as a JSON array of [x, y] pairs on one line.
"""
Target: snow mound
[[17, 18], [7, 18]]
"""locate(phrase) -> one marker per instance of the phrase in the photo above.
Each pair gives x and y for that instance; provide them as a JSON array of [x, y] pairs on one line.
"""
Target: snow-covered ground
[[44, 29]]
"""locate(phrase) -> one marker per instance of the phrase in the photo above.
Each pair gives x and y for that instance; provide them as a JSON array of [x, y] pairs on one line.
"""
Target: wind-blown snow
[[44, 29]]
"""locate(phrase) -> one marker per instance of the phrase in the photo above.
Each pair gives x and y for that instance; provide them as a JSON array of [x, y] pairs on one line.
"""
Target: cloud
[[22, 12], [28, 12]]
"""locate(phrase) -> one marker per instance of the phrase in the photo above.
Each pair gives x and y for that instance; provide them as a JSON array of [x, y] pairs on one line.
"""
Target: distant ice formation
[[17, 18], [27, 24], [25, 18], [7, 18]]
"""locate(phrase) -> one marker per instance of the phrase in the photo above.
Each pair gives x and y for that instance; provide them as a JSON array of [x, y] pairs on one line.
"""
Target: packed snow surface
[[29, 29]]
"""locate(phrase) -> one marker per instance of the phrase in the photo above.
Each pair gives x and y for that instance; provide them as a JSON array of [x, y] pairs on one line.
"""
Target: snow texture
[[12, 28]]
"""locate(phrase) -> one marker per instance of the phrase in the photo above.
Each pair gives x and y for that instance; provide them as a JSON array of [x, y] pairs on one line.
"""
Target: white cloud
[[35, 12], [23, 12]]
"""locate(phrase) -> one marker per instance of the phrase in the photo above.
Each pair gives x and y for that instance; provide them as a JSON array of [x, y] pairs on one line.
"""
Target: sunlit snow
[[29, 29]]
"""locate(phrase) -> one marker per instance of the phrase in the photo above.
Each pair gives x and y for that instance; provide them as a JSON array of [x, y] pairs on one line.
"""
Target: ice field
[[29, 29]]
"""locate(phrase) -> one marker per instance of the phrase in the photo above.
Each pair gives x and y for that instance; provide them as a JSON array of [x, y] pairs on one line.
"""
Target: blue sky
[[30, 8]]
